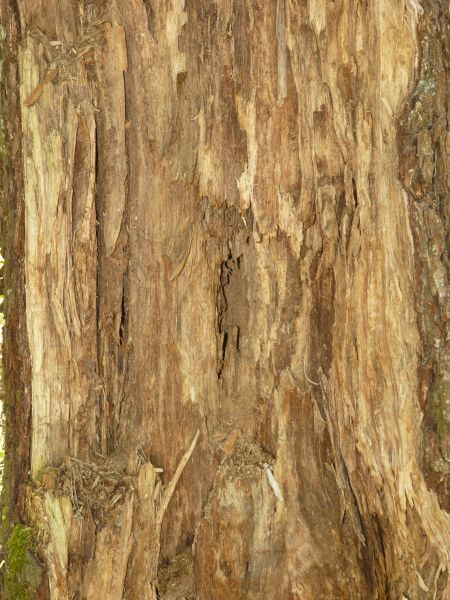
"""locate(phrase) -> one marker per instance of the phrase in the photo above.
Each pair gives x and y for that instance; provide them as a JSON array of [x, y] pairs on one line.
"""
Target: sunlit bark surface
[[225, 214]]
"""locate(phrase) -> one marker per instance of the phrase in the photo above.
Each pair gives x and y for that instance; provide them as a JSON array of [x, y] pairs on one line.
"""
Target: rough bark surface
[[424, 150], [220, 232]]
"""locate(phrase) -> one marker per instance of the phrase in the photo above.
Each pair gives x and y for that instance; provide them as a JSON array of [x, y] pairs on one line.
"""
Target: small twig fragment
[[36, 93], [168, 492], [85, 50]]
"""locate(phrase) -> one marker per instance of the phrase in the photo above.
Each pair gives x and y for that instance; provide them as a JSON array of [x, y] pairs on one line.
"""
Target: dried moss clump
[[93, 486]]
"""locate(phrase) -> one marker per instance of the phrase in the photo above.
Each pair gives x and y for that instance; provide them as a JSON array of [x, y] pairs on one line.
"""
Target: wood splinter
[[169, 490], [37, 92]]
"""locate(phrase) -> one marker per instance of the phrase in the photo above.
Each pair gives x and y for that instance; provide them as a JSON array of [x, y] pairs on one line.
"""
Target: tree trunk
[[224, 226]]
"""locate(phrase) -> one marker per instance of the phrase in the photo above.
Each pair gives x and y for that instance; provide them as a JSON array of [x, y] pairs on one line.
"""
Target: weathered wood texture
[[219, 235], [16, 371], [424, 151]]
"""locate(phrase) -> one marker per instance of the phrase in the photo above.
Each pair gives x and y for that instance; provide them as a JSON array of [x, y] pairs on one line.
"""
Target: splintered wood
[[83, 493], [216, 239]]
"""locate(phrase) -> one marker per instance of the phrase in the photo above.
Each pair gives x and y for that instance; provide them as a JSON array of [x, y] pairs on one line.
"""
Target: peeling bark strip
[[424, 151], [216, 239], [112, 166]]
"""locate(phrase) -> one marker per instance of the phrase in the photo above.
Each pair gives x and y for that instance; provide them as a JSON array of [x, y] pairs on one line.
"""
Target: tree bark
[[228, 218]]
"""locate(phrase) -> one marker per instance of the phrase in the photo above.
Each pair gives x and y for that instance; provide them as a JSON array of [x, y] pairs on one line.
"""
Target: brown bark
[[424, 152], [215, 237]]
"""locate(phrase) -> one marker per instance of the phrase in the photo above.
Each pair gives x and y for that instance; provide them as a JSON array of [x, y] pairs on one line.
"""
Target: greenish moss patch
[[22, 572]]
